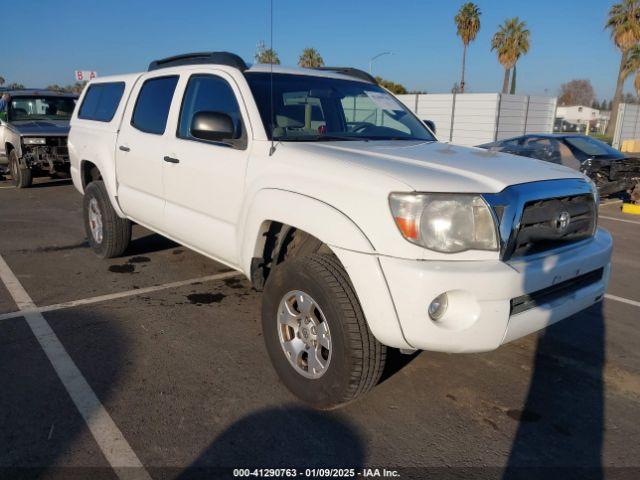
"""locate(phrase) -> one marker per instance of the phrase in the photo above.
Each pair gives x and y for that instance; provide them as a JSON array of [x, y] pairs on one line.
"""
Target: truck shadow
[[396, 361], [286, 437], [54, 182], [150, 243], [561, 425]]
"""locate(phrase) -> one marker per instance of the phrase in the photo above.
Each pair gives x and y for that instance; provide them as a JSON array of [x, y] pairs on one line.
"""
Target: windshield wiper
[[318, 138], [414, 139]]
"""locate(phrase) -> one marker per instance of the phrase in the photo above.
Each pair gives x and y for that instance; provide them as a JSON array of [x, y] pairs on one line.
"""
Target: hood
[[438, 167], [41, 127]]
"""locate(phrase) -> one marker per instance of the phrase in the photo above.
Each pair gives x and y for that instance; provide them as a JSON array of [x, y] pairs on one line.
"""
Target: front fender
[[305, 213], [12, 137], [347, 242]]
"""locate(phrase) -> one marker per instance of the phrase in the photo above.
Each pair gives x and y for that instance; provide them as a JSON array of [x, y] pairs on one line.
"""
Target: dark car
[[611, 170]]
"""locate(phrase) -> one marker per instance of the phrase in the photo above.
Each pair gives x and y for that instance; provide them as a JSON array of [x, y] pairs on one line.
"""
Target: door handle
[[124, 149], [171, 160]]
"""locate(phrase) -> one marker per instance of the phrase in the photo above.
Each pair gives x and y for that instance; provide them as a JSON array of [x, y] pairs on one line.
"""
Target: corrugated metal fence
[[627, 124], [476, 118]]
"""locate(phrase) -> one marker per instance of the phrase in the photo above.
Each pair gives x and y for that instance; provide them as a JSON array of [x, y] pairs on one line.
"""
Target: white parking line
[[622, 299], [118, 295], [618, 219], [104, 430]]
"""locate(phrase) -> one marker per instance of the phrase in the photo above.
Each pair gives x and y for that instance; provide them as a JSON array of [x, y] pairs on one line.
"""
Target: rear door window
[[153, 103], [101, 101]]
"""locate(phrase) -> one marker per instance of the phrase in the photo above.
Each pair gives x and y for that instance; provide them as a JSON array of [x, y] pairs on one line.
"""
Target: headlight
[[35, 141], [446, 223]]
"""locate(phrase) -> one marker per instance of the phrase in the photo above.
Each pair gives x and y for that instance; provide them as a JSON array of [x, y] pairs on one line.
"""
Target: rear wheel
[[108, 234], [21, 177], [316, 334]]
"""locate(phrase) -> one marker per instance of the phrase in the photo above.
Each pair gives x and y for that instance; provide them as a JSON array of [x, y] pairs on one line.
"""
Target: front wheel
[[21, 177], [108, 234], [316, 333]]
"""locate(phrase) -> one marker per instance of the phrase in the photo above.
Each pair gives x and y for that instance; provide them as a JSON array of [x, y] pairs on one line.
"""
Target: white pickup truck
[[362, 229]]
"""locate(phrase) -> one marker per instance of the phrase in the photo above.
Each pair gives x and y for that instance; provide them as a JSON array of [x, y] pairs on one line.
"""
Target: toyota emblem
[[562, 221]]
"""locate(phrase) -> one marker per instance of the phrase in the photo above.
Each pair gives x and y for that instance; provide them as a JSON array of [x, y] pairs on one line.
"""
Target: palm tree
[[624, 23], [266, 55], [468, 23], [511, 41], [632, 65], [310, 58]]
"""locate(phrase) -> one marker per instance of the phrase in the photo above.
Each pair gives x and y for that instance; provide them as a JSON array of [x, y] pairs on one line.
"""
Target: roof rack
[[200, 58], [351, 72]]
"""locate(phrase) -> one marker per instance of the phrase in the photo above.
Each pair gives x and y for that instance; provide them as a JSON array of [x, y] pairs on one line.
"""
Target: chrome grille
[[528, 215], [542, 228]]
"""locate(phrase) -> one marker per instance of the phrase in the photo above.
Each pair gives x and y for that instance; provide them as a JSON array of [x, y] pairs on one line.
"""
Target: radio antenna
[[271, 59]]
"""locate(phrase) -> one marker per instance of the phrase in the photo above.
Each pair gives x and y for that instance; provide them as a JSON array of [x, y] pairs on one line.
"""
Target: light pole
[[376, 56]]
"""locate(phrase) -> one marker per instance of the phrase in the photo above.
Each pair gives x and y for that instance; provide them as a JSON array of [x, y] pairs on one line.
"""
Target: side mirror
[[212, 126], [430, 125]]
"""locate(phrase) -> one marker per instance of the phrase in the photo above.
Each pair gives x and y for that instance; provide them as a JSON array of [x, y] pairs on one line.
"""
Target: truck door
[[204, 180], [140, 149]]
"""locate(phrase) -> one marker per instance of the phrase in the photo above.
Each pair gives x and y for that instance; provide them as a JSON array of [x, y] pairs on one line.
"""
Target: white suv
[[322, 188]]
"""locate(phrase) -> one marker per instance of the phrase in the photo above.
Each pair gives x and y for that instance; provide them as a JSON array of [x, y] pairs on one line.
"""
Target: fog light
[[438, 307]]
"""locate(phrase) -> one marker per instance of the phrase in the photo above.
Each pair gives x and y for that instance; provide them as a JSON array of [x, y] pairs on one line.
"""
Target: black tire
[[357, 358], [21, 177], [116, 231]]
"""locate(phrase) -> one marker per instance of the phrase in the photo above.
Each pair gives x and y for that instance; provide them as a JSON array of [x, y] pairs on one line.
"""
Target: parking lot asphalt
[[170, 344]]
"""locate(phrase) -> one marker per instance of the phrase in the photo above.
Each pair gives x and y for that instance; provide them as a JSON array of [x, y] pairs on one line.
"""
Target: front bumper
[[479, 316]]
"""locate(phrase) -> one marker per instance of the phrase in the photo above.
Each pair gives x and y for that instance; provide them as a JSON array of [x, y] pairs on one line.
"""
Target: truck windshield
[[310, 108], [41, 108]]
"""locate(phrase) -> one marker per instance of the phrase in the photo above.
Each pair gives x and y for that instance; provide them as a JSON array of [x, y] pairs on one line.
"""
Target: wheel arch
[[274, 208], [89, 171], [274, 214]]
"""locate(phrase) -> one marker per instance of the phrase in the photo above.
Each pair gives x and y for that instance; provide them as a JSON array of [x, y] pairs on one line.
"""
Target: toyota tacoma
[[361, 229]]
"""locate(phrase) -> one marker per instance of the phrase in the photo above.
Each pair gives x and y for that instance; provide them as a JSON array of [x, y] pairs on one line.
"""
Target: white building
[[578, 114], [581, 115]]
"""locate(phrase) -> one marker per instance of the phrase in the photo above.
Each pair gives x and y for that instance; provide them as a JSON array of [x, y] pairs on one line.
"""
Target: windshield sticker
[[384, 101]]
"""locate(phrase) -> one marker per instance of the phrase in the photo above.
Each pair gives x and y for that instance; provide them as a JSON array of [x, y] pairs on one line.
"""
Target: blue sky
[[46, 40]]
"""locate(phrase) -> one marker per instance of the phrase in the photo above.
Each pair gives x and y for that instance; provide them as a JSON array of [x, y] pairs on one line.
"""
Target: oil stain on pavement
[[205, 298]]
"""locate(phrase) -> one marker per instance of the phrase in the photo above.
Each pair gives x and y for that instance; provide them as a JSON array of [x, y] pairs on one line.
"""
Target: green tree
[[395, 88], [55, 88], [632, 65], [2, 81], [15, 86], [310, 58], [76, 87], [468, 22], [511, 41], [624, 23], [266, 55]]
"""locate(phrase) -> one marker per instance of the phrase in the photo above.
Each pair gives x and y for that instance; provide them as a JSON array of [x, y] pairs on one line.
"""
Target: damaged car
[[612, 171], [33, 135]]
